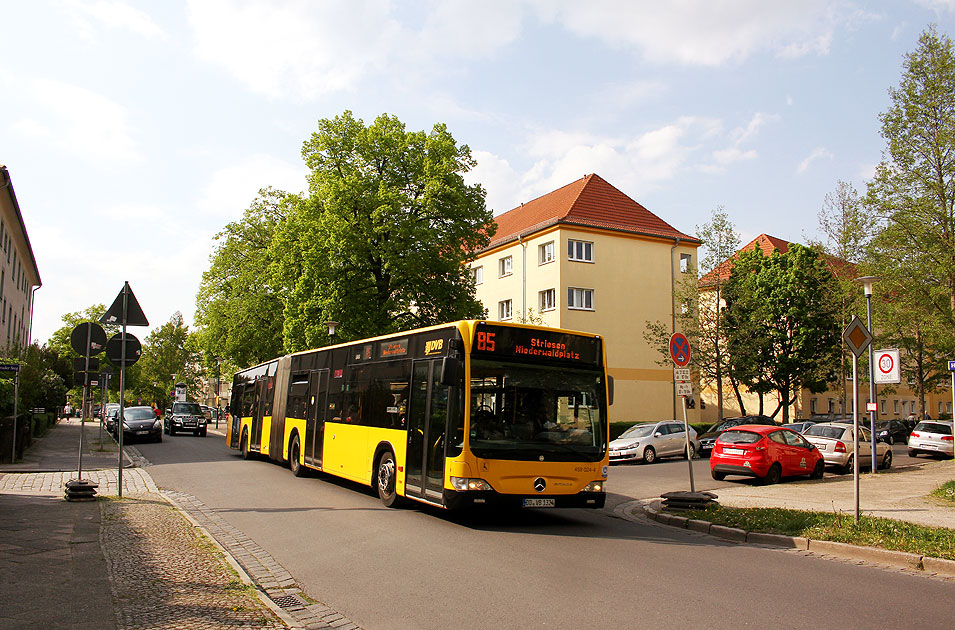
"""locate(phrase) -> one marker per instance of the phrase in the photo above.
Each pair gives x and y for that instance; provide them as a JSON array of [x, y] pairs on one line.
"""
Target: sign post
[[680, 353], [857, 338], [125, 311], [15, 368]]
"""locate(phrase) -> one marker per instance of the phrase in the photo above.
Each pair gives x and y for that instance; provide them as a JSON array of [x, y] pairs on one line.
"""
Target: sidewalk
[[135, 562]]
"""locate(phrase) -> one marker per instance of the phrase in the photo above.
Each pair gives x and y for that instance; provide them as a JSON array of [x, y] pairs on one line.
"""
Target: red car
[[765, 452]]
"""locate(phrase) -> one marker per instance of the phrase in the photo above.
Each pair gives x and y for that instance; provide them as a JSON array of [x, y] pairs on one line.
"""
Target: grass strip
[[870, 531]]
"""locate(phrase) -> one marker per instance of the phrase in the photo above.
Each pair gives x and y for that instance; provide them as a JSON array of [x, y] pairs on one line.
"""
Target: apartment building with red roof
[[899, 403], [588, 257]]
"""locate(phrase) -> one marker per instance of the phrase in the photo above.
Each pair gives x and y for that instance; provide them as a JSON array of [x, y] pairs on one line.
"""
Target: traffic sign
[[684, 389], [125, 310], [887, 369], [951, 366], [857, 336], [9, 367], [681, 374], [88, 339], [114, 349], [680, 349]]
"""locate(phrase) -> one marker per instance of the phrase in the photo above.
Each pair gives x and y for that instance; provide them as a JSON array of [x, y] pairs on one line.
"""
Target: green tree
[[169, 356], [782, 332], [59, 343], [381, 243], [913, 193], [848, 228], [239, 310], [43, 382]]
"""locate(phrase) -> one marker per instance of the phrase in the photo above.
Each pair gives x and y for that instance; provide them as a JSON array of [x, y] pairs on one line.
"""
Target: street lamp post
[[331, 331], [218, 365], [867, 282]]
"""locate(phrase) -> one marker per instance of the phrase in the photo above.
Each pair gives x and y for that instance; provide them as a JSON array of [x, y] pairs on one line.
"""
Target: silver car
[[649, 440], [932, 437], [835, 441]]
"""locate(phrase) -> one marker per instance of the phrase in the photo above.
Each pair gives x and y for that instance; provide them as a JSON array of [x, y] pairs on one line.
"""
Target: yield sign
[[857, 336], [125, 310], [680, 349]]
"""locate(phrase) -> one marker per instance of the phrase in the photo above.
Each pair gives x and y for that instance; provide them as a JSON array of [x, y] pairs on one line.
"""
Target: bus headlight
[[463, 483], [595, 486]]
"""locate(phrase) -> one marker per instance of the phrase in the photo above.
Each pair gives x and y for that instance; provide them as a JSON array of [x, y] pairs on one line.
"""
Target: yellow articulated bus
[[471, 413]]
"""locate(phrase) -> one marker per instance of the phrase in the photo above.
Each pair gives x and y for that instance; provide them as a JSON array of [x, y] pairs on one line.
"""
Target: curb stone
[[900, 559]]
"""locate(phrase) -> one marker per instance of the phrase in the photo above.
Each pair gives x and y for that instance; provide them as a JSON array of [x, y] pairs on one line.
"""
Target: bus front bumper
[[455, 500]]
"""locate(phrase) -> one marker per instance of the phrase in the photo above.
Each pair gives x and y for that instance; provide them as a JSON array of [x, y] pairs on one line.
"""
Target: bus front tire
[[294, 455], [246, 453], [386, 478]]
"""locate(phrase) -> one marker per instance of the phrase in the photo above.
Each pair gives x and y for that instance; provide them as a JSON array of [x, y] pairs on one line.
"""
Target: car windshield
[[187, 408], [934, 427], [739, 437], [139, 413], [638, 431], [528, 412], [726, 424], [817, 430]]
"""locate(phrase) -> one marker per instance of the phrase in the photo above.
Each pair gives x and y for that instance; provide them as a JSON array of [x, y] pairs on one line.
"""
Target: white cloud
[[232, 189], [112, 15], [699, 33], [817, 154], [724, 158], [81, 122]]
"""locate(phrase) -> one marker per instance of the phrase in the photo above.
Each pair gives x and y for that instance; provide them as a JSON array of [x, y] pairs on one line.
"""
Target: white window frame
[[505, 310], [505, 266], [546, 253], [478, 274], [685, 261], [577, 299], [572, 250], [547, 300]]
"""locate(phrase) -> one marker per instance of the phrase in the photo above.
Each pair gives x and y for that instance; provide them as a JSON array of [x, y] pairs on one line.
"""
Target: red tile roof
[[587, 202], [767, 244]]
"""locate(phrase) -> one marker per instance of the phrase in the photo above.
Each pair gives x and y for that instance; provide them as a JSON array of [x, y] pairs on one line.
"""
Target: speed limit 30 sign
[[887, 371]]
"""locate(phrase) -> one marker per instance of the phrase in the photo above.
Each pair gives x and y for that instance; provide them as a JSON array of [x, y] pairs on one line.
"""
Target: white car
[[649, 440], [932, 437], [835, 441]]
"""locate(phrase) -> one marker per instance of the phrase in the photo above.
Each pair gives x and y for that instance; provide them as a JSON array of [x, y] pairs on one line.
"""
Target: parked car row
[[756, 446], [141, 422]]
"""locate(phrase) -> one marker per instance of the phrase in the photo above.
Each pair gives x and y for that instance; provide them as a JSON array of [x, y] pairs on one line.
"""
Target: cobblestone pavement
[[166, 575]]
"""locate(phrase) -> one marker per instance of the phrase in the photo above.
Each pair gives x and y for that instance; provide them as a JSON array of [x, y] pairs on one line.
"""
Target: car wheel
[[718, 475], [848, 468], [773, 476], [819, 470], [649, 455], [891, 441], [202, 433], [913, 453], [294, 457], [165, 429], [692, 450], [887, 461], [387, 477], [172, 430]]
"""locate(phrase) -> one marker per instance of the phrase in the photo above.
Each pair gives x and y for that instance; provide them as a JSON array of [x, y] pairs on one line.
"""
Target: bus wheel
[[387, 476], [246, 454], [294, 454]]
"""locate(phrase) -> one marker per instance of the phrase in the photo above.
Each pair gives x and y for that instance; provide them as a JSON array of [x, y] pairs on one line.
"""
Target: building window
[[581, 251], [545, 253], [895, 406], [505, 266], [832, 405], [882, 407], [504, 311], [478, 274], [547, 299], [580, 299], [812, 406], [685, 260]]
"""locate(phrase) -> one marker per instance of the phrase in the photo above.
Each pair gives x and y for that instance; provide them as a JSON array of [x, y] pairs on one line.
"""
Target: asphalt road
[[422, 568]]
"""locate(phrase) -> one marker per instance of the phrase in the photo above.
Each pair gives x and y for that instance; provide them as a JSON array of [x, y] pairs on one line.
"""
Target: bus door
[[261, 391], [427, 425], [315, 416], [235, 416]]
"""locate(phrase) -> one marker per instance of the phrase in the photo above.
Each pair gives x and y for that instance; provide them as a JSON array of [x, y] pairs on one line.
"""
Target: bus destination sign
[[535, 345]]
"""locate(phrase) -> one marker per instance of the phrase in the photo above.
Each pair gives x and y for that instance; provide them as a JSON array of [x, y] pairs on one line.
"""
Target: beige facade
[[599, 280], [19, 276]]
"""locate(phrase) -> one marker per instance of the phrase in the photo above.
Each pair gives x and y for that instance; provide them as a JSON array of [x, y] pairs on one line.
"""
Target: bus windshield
[[534, 412]]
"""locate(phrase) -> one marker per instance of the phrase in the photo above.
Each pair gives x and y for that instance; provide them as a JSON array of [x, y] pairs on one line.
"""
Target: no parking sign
[[887, 371]]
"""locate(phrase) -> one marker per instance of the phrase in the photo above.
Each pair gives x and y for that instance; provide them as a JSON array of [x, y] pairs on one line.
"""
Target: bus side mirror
[[450, 367], [609, 390]]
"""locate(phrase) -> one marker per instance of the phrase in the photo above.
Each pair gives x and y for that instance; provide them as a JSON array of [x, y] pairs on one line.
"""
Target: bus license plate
[[539, 502]]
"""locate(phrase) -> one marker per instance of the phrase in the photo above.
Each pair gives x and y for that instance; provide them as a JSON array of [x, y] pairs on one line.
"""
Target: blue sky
[[135, 131]]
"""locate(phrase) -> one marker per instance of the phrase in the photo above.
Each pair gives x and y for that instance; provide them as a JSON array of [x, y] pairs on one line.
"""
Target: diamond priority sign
[[857, 336]]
